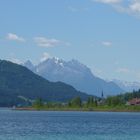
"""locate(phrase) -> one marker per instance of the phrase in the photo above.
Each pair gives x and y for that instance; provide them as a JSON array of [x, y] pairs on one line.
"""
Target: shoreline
[[75, 110]]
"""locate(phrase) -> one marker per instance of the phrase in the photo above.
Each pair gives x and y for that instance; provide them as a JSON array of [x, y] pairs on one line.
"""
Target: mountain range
[[76, 74], [17, 84], [21, 84]]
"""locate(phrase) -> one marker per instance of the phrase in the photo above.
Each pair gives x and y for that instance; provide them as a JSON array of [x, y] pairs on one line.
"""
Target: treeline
[[122, 99], [74, 103], [91, 103]]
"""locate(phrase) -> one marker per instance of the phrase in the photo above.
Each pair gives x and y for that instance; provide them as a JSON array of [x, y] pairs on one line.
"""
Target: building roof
[[135, 101]]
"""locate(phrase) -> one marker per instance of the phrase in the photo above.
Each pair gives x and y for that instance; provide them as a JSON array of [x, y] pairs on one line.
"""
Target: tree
[[114, 100], [109, 101], [69, 104], [76, 102], [96, 103], [38, 103], [90, 101]]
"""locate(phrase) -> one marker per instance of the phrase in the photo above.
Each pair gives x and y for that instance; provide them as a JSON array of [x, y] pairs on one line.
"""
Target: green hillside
[[16, 80]]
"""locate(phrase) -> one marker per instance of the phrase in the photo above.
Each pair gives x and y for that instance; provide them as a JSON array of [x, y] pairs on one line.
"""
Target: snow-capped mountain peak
[[76, 74]]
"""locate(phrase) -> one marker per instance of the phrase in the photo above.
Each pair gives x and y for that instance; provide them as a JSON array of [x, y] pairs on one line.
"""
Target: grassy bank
[[98, 108], [122, 108]]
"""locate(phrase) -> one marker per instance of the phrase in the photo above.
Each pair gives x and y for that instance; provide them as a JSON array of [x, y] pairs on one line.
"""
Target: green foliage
[[38, 103], [69, 104], [114, 101], [129, 96], [91, 102], [122, 98], [76, 102], [111, 103], [96, 103]]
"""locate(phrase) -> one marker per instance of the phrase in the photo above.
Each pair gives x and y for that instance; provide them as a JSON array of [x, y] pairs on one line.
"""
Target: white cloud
[[131, 7], [135, 6], [46, 42], [76, 9], [107, 43], [123, 70], [49, 42], [14, 37], [108, 1], [45, 56], [129, 72]]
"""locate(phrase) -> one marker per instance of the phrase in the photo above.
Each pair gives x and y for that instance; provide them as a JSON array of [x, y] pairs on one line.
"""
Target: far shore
[[75, 109]]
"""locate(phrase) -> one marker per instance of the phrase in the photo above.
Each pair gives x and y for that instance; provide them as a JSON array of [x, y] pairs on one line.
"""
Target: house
[[134, 101]]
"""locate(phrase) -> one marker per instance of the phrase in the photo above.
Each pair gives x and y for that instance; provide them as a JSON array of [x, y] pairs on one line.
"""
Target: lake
[[41, 125]]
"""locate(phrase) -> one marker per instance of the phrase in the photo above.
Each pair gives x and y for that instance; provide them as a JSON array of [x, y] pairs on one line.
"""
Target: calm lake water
[[41, 125]]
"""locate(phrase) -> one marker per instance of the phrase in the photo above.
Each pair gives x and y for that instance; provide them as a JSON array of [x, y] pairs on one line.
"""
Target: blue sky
[[103, 34]]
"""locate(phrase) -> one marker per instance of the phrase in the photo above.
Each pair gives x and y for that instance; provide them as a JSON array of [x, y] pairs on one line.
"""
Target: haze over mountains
[[75, 74], [127, 86]]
